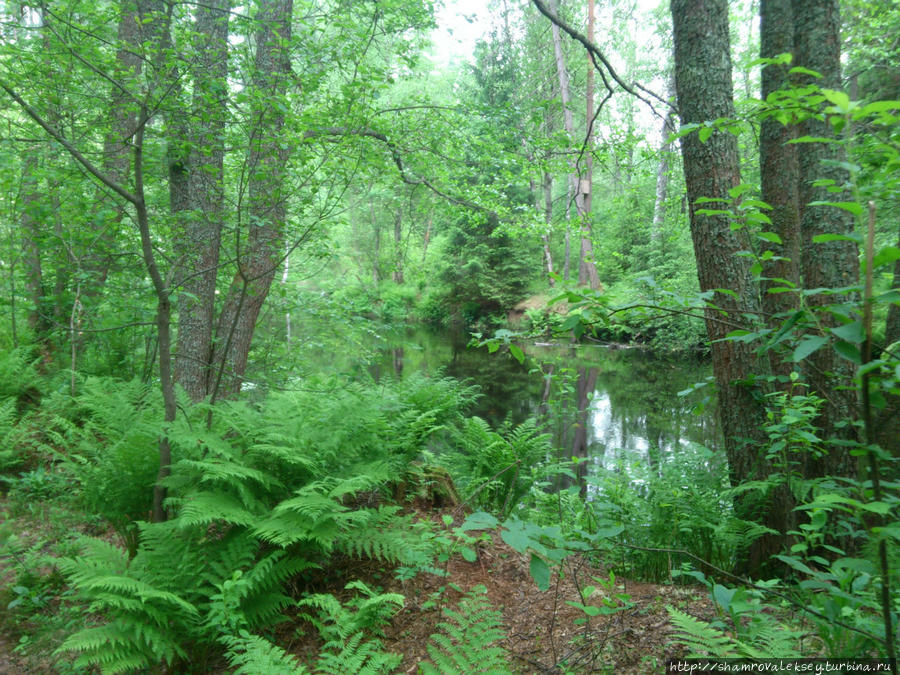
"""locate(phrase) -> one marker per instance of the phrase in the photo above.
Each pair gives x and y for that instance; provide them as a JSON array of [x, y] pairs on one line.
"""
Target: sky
[[460, 24]]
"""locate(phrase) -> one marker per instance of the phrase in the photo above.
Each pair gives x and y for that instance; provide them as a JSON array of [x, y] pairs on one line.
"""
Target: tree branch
[[398, 161], [72, 150], [595, 54]]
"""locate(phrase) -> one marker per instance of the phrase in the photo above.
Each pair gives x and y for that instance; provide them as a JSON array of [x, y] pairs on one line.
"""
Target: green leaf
[[612, 530], [807, 346], [705, 133], [853, 207], [879, 107], [800, 70], [540, 572], [517, 352], [468, 554], [851, 332], [770, 236], [840, 100], [812, 139], [480, 520], [885, 256]]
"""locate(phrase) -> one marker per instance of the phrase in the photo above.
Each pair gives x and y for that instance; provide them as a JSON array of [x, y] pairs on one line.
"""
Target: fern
[[344, 628], [498, 468], [468, 639], [356, 655], [254, 655], [767, 639]]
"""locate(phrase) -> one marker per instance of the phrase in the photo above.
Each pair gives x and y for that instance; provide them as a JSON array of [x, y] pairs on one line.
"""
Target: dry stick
[[873, 459]]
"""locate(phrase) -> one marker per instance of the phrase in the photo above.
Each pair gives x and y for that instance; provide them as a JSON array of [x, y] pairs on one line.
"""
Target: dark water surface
[[613, 406]]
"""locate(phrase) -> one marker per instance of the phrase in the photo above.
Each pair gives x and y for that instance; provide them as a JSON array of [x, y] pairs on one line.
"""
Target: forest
[[512, 336]]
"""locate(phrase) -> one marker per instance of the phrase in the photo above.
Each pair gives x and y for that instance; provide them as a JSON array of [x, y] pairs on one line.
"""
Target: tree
[[779, 171], [831, 264], [197, 191], [579, 183], [704, 90]]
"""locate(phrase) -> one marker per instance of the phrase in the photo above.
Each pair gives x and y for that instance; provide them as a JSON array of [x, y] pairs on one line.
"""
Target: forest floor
[[542, 635]]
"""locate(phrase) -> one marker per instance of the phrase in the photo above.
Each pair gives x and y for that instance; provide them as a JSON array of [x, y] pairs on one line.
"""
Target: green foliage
[[253, 654], [468, 637], [262, 496], [497, 469], [344, 628], [762, 638]]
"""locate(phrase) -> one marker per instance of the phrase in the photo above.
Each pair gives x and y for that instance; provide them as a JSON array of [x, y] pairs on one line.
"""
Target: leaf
[[705, 133], [800, 70], [540, 572], [480, 520], [517, 352], [885, 256], [853, 207], [880, 106], [770, 236], [807, 346], [840, 100], [811, 139], [851, 332], [468, 554], [612, 530]]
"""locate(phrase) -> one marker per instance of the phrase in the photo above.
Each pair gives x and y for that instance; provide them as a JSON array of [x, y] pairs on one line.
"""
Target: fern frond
[[356, 655], [254, 655], [702, 639], [467, 641]]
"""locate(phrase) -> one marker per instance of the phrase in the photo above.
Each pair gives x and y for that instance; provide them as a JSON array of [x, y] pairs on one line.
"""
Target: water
[[610, 406]]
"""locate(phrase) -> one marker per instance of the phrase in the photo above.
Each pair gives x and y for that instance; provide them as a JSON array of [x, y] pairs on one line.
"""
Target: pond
[[614, 407]]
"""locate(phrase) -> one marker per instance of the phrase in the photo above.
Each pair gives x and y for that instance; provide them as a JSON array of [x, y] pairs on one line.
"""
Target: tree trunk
[[196, 198], [30, 219], [397, 275], [587, 270], [833, 264], [662, 168], [704, 88], [267, 200], [548, 221], [578, 188], [779, 175], [887, 427]]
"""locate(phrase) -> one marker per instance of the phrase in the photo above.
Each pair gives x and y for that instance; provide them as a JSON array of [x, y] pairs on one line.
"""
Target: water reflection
[[608, 406]]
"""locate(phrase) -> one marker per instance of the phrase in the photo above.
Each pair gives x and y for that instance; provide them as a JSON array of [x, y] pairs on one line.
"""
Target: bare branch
[[595, 54]]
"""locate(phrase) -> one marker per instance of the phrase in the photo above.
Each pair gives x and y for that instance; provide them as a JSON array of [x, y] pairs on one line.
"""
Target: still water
[[611, 406]]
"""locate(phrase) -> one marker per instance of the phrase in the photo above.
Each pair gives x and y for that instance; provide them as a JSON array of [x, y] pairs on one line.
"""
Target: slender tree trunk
[[587, 270], [704, 87], [780, 174], [30, 219], [397, 274], [427, 237], [135, 28], [888, 421], [833, 264], [548, 222], [578, 188], [376, 254], [267, 200], [662, 168]]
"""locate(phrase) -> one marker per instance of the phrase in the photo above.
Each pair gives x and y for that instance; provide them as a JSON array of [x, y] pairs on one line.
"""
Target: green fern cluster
[[760, 638], [467, 641], [497, 468], [262, 495]]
